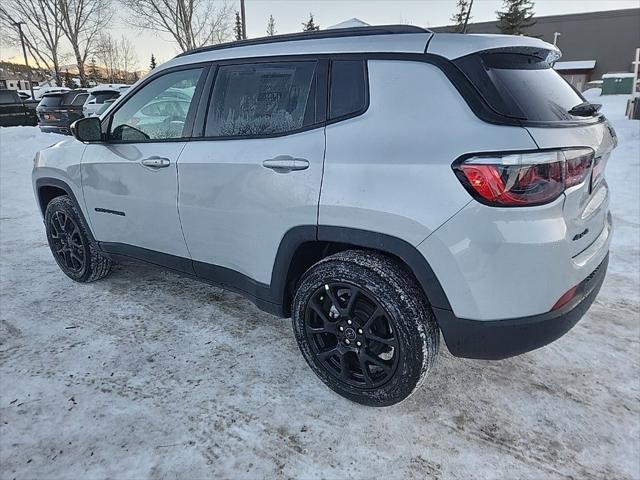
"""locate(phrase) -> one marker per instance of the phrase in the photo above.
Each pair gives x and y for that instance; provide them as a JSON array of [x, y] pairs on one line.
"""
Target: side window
[[348, 87], [261, 99], [146, 115]]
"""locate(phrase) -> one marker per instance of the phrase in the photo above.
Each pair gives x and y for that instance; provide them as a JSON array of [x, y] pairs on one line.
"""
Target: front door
[[256, 173], [130, 181]]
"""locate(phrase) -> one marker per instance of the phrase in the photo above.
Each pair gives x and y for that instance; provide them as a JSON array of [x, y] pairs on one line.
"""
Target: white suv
[[378, 185]]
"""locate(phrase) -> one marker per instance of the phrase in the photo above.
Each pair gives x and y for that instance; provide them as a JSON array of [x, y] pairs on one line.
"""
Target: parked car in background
[[105, 106], [38, 92], [57, 111], [15, 110], [96, 98]]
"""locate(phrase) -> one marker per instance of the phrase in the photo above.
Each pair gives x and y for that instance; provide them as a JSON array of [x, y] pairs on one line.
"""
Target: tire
[[376, 346], [73, 249]]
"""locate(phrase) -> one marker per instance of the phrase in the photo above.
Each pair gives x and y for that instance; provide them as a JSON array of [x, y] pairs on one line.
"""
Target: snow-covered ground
[[150, 375]]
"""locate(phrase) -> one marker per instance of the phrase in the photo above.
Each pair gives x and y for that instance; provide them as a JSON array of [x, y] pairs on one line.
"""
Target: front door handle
[[156, 162], [286, 163]]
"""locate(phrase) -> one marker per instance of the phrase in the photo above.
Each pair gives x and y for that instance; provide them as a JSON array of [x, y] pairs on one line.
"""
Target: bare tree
[[192, 23], [118, 57], [41, 30], [81, 22], [106, 53]]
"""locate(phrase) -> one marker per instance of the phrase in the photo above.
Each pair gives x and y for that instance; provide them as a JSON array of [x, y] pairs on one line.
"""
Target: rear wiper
[[585, 109]]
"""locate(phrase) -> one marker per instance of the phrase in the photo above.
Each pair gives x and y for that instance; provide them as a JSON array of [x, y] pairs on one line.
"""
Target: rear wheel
[[77, 256], [365, 327]]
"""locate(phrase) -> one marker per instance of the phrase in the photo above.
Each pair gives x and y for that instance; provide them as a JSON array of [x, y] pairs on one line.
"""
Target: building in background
[[593, 44], [351, 23]]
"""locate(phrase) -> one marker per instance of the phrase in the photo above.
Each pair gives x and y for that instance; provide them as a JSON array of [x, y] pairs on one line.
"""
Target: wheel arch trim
[[358, 238], [42, 182]]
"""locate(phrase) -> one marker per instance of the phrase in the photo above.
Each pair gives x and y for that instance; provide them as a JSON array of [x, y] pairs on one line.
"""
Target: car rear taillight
[[523, 179]]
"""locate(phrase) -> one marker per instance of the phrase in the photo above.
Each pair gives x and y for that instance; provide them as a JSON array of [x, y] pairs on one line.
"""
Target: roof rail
[[334, 33]]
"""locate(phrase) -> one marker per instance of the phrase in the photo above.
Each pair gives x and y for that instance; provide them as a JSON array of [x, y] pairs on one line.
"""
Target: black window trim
[[191, 114]]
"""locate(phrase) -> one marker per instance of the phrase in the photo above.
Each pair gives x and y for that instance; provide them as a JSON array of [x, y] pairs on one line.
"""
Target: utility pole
[[24, 52], [244, 20]]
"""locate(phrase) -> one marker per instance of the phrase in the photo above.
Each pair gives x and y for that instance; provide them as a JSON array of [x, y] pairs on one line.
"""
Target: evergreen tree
[[237, 28], [93, 71], [271, 26], [68, 80], [309, 25], [153, 63], [516, 16], [459, 18]]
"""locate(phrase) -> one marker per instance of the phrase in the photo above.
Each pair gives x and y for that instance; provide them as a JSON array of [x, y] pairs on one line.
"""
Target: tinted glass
[[8, 97], [80, 99], [348, 87], [140, 117], [522, 86], [102, 96], [260, 99], [103, 108], [50, 101]]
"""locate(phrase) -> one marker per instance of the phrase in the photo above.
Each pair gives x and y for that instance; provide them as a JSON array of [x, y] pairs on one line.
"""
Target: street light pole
[[24, 52], [555, 38], [244, 20]]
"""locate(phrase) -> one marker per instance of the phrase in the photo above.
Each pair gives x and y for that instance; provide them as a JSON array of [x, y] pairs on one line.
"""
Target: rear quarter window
[[521, 86], [348, 88]]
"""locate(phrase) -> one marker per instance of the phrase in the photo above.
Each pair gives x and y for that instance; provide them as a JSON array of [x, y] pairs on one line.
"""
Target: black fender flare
[[389, 244], [62, 185]]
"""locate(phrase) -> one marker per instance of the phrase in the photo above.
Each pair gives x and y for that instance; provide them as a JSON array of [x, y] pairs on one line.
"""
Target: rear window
[[8, 97], [348, 88], [522, 86], [50, 101], [102, 96], [79, 99]]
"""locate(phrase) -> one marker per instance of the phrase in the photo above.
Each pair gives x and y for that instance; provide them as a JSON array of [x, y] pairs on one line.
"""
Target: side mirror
[[87, 129]]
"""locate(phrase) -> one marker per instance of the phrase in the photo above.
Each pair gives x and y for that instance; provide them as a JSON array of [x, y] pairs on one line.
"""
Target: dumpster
[[617, 83]]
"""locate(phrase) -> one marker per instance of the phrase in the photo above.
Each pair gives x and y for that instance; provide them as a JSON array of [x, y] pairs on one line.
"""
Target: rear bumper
[[498, 339]]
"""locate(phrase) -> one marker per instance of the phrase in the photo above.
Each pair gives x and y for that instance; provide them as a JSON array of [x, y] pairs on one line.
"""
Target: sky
[[289, 15]]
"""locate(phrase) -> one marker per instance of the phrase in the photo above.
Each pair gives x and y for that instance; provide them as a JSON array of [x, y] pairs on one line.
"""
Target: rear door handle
[[286, 163], [156, 162]]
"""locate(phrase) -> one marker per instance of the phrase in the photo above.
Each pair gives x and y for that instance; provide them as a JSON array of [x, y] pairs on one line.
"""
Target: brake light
[[523, 179]]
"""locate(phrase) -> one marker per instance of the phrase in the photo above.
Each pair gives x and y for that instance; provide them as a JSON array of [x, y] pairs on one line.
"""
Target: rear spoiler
[[456, 45]]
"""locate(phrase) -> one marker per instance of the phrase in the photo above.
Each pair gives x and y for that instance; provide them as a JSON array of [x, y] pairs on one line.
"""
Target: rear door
[[130, 180], [255, 173]]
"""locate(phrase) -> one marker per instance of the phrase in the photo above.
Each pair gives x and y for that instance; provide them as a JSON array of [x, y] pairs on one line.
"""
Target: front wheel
[[74, 251], [365, 327]]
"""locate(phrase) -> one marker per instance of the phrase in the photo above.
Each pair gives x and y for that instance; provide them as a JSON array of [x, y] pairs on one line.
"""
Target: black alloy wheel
[[365, 327], [352, 335], [67, 243], [73, 249]]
